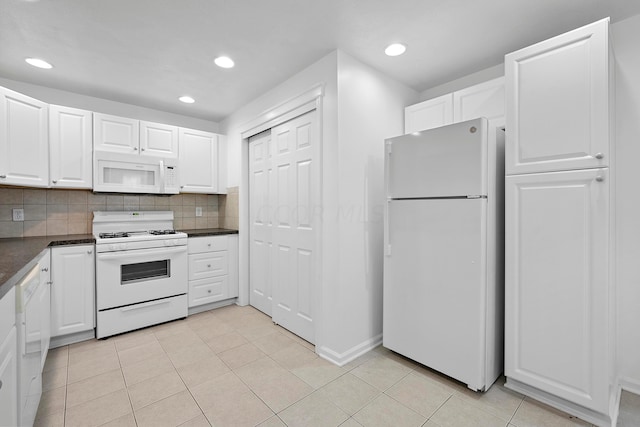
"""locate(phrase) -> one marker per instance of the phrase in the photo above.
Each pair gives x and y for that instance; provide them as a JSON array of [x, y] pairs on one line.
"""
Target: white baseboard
[[211, 306], [72, 338], [631, 385], [343, 358]]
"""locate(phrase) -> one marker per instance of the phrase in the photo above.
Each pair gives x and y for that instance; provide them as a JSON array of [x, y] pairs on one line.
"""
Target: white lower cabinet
[[213, 269], [72, 289], [558, 320], [44, 300], [8, 361]]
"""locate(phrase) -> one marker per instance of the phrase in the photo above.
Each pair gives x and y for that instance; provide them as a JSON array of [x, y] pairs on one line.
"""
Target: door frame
[[309, 100]]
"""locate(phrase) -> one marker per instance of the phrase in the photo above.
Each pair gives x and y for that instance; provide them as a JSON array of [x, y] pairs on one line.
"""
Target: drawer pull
[[208, 265], [209, 291], [0, 384], [45, 269]]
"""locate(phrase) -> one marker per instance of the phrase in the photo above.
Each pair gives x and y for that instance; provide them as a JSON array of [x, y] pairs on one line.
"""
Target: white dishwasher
[[28, 323]]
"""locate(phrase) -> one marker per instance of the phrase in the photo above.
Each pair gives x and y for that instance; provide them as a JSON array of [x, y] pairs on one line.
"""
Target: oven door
[[129, 277]]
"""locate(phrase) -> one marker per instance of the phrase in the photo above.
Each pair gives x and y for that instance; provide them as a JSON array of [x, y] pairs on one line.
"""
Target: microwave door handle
[[161, 176]]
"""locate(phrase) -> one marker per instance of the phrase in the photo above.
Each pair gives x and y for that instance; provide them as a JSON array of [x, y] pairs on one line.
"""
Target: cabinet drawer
[[206, 244], [7, 313], [208, 264], [208, 290]]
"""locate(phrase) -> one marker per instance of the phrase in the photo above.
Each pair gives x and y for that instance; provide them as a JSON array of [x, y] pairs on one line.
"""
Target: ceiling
[[150, 52]]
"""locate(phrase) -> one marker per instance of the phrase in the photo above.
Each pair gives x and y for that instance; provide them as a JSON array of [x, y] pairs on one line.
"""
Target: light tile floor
[[234, 367]]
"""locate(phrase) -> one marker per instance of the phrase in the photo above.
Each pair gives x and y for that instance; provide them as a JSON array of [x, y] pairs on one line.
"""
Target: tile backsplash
[[229, 211], [50, 212]]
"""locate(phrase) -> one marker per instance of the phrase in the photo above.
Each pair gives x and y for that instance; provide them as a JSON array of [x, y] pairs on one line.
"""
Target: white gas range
[[141, 270]]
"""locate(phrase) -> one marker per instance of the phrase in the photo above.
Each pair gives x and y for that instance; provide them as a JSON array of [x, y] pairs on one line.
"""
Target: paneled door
[[284, 192], [261, 239]]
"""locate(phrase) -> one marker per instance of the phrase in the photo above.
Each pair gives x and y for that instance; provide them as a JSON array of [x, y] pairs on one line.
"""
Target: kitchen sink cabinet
[[72, 289], [481, 100], [71, 147], [24, 140], [130, 136], [8, 361], [44, 300], [199, 167], [213, 269]]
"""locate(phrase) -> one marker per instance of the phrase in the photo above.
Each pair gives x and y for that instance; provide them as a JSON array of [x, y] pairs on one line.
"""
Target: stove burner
[[113, 235], [161, 232]]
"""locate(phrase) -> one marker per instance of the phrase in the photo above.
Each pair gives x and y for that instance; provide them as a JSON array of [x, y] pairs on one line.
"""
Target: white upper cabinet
[[482, 100], [198, 161], [159, 140], [118, 134], [24, 142], [429, 114], [124, 135], [558, 101], [71, 147]]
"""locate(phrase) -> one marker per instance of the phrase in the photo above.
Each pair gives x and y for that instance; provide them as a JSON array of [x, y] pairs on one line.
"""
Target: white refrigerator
[[443, 264]]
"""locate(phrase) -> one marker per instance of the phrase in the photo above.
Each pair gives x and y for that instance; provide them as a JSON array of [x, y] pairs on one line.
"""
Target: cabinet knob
[[3, 176], [45, 269], [49, 283], [135, 148], [208, 265], [89, 252], [209, 291], [0, 384], [599, 156], [142, 149], [209, 244], [182, 186], [599, 178]]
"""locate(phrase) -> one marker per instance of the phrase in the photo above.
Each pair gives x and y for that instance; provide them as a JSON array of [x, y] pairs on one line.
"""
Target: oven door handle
[[153, 251]]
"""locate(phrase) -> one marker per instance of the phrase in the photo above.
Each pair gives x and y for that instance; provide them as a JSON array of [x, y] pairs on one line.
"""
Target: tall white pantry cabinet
[[559, 282]]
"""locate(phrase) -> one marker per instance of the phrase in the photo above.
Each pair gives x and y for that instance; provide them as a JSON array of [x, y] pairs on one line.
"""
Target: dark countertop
[[19, 255], [209, 232]]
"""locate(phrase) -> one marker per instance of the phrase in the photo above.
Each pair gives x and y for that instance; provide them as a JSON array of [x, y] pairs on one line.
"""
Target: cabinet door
[[8, 379], [118, 134], [71, 145], [557, 98], [45, 304], [198, 161], [72, 290], [556, 284], [482, 100], [158, 140], [24, 141], [205, 291], [429, 114]]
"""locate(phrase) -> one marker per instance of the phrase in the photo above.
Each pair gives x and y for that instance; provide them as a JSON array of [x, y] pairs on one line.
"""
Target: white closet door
[[260, 236], [284, 191], [294, 227]]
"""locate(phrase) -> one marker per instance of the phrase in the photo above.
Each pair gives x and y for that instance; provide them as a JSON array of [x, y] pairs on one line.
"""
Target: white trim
[[287, 110], [73, 338], [586, 414], [342, 359], [630, 384]]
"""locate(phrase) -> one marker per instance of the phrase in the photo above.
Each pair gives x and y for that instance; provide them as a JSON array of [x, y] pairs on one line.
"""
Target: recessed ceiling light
[[395, 49], [187, 99], [224, 62], [40, 63]]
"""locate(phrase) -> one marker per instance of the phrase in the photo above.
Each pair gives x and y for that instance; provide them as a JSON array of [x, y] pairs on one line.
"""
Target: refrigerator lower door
[[435, 285]]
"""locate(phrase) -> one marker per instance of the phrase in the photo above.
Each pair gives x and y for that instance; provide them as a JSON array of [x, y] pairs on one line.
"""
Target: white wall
[[463, 82], [360, 108], [370, 109], [626, 35], [75, 100]]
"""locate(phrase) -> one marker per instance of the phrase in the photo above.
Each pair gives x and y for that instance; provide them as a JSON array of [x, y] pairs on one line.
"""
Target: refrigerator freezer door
[[441, 162], [435, 285]]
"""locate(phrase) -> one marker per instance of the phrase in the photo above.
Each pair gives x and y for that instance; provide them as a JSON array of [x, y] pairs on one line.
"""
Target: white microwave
[[125, 173]]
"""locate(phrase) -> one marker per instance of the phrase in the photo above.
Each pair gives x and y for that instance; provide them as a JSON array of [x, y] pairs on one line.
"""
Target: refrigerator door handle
[[386, 228]]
